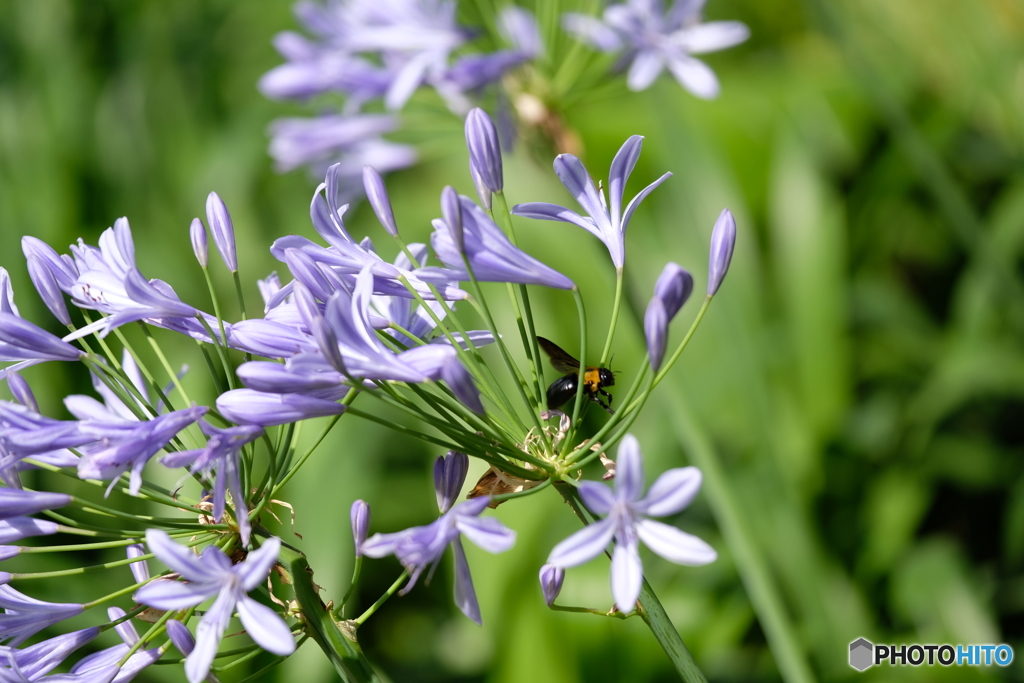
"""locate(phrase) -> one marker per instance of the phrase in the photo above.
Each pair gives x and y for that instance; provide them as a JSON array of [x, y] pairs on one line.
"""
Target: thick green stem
[[342, 650]]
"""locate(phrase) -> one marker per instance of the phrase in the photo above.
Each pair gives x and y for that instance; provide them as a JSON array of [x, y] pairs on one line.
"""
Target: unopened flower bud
[[551, 578], [181, 637], [360, 516], [377, 193], [21, 390], [673, 288], [49, 292], [723, 239], [449, 475], [140, 570], [200, 246], [222, 229], [484, 149]]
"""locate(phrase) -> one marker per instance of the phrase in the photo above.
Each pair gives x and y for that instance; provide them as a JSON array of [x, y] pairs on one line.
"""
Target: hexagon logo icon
[[861, 652]]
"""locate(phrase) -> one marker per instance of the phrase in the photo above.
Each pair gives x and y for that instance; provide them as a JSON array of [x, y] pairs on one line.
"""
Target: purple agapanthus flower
[[124, 445], [222, 451], [16, 503], [651, 37], [491, 254], [606, 220], [102, 660], [212, 574], [389, 48], [250, 407], [106, 279], [351, 142], [24, 433], [21, 340], [626, 514], [37, 660], [23, 616], [419, 548]]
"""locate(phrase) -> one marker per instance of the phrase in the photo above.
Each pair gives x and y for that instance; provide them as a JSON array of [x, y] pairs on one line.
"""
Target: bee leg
[[606, 406], [607, 395]]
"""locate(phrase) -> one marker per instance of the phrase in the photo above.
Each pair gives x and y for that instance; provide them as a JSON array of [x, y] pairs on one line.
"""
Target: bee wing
[[560, 359]]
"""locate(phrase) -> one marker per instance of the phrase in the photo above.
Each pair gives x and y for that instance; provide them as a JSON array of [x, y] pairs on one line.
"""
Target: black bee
[[564, 388]]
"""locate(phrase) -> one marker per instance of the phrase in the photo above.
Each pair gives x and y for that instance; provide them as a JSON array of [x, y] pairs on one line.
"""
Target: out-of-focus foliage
[[860, 375]]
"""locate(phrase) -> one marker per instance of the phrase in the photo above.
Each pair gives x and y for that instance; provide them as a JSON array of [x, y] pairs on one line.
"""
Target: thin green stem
[[357, 567], [616, 305], [581, 381], [163, 361], [384, 598]]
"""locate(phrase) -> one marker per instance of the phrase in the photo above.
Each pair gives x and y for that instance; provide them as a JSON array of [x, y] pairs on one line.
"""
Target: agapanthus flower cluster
[[363, 61], [368, 51], [349, 325]]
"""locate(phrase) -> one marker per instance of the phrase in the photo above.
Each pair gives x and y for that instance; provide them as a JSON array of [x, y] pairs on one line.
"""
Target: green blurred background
[[859, 379]]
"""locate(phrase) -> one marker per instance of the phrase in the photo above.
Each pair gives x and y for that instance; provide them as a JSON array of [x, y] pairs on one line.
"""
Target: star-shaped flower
[[626, 514]]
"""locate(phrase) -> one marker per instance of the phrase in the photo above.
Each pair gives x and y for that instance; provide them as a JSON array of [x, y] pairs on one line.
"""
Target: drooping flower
[[723, 240], [106, 279], [30, 663], [250, 407], [626, 514], [128, 445], [490, 253], [21, 340], [212, 574], [222, 451], [102, 660], [18, 503], [605, 220], [23, 616], [652, 37], [16, 528], [671, 291], [422, 547]]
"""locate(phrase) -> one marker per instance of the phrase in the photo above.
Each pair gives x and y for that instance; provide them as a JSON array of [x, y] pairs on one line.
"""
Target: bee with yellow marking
[[565, 388]]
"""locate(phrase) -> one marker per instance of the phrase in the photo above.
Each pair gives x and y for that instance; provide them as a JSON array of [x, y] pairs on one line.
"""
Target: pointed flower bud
[[449, 475], [22, 391], [451, 209], [671, 291], [200, 246], [551, 578], [140, 570], [377, 193], [181, 637], [723, 239], [223, 230], [49, 292], [484, 149], [360, 516]]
